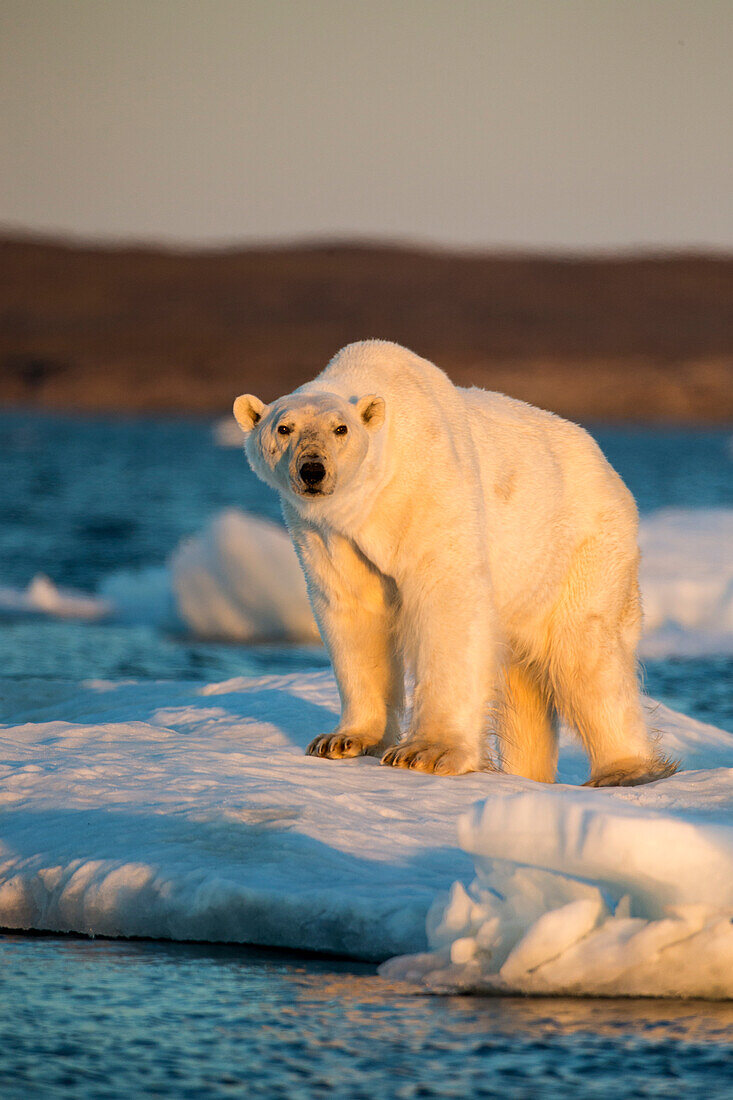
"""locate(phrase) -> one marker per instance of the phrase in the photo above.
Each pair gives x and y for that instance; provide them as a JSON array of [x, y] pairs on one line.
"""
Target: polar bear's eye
[[341, 430], [283, 429]]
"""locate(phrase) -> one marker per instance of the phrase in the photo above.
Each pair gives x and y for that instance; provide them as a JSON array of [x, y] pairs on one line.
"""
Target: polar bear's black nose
[[312, 473]]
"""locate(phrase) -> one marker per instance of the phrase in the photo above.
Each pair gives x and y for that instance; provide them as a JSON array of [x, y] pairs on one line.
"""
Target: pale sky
[[540, 124]]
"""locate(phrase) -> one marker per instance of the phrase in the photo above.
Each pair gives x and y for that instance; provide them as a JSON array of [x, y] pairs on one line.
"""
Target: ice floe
[[687, 582], [42, 597], [188, 811], [579, 895], [240, 579]]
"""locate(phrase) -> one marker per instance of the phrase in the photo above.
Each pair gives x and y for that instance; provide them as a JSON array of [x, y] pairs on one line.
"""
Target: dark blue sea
[[81, 499]]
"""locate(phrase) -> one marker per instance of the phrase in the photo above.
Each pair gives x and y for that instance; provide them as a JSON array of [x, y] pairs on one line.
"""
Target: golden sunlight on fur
[[481, 545]]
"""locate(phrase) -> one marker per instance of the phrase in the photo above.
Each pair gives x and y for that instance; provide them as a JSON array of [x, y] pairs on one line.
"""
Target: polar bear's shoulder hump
[[382, 367]]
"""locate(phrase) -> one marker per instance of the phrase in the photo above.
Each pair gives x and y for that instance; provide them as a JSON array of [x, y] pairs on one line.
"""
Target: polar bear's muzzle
[[312, 476]]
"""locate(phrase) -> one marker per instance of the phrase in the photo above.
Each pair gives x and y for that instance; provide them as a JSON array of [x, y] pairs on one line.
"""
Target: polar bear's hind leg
[[592, 667], [527, 726]]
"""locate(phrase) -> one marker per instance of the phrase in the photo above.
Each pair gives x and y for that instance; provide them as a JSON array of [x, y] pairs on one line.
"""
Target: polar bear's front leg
[[354, 608], [356, 625], [450, 635]]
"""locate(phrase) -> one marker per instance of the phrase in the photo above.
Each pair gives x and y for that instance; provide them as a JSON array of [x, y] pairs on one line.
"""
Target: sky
[[563, 125]]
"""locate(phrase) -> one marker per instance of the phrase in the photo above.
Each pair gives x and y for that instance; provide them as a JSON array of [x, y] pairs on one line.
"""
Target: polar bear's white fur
[[483, 544]]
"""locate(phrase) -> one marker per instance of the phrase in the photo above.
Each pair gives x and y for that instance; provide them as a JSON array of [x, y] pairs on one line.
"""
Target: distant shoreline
[[163, 330]]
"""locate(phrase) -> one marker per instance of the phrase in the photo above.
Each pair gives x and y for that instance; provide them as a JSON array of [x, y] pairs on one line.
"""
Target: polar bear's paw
[[633, 773], [339, 746], [426, 756]]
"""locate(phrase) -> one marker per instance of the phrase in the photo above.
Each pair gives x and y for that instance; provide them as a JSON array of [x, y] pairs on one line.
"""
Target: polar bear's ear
[[248, 411], [371, 409]]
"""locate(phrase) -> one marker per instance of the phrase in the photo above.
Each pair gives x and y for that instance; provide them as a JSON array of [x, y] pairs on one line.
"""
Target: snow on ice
[[187, 811]]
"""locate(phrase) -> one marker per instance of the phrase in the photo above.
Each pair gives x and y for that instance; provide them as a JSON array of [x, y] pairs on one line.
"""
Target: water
[[115, 1019], [82, 498], [79, 1018]]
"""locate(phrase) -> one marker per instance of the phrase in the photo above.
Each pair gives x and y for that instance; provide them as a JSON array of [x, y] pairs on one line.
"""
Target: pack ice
[[184, 811]]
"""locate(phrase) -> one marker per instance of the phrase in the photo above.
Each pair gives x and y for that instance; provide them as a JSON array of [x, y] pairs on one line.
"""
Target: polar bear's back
[[556, 463], [554, 459]]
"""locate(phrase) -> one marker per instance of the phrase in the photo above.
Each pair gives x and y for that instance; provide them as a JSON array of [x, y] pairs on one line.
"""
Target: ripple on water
[[88, 1018]]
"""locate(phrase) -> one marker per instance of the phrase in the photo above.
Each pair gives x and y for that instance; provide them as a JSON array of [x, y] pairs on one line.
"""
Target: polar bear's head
[[308, 445]]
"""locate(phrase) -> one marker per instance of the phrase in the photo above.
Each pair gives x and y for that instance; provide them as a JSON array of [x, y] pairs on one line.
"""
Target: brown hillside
[[133, 329]]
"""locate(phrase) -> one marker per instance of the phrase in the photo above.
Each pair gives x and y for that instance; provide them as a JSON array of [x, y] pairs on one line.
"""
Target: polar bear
[[483, 545]]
